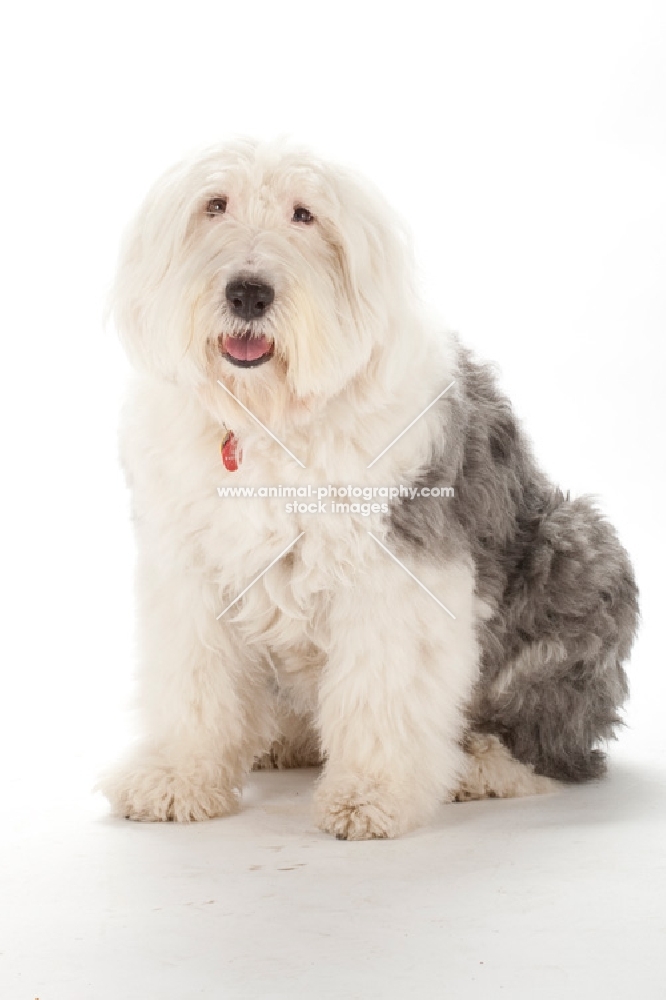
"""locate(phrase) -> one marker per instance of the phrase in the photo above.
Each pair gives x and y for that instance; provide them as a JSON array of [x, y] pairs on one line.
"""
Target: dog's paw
[[357, 809], [153, 791], [282, 757], [492, 772]]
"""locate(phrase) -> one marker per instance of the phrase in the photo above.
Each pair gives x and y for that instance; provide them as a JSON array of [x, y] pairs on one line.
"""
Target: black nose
[[249, 299]]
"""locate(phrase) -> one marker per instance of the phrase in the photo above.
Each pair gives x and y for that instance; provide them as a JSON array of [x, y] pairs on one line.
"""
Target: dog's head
[[263, 267]]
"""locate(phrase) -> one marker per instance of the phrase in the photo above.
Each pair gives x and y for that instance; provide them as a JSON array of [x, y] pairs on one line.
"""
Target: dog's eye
[[216, 206], [302, 215]]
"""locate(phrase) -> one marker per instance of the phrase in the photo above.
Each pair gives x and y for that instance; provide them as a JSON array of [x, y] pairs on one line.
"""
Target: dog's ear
[[147, 302], [375, 254]]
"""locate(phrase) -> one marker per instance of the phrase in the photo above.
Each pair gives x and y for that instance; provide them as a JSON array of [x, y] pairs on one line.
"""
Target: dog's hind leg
[[492, 772], [571, 616], [296, 746]]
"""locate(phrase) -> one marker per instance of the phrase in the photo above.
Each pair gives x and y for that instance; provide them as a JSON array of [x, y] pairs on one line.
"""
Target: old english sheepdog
[[421, 648]]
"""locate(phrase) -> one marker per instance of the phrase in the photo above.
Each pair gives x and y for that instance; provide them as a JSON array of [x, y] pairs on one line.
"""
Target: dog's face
[[262, 267]]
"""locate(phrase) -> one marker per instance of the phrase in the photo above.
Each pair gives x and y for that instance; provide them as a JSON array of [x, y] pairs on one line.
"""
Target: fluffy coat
[[336, 654]]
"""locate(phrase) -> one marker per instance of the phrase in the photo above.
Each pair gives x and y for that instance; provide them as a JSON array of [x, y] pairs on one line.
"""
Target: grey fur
[[559, 584]]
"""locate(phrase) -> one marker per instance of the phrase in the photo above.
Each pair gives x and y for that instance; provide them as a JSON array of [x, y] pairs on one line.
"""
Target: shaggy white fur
[[336, 638]]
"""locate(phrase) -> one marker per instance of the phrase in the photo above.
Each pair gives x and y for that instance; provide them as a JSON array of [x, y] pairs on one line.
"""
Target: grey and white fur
[[559, 585], [262, 289]]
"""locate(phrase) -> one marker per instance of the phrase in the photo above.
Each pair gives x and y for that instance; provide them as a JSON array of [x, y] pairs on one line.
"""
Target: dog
[[462, 637]]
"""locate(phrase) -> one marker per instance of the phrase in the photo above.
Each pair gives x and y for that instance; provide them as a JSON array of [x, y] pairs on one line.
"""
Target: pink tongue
[[246, 348]]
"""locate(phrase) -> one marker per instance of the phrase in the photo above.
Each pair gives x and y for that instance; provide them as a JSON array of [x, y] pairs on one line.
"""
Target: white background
[[526, 146]]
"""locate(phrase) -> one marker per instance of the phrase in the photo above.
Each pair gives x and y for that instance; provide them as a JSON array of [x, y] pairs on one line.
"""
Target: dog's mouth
[[245, 350]]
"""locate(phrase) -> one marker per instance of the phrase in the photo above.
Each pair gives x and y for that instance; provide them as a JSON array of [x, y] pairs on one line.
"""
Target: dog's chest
[[270, 526]]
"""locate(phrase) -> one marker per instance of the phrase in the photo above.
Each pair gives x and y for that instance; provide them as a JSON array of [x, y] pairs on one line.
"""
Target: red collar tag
[[232, 454]]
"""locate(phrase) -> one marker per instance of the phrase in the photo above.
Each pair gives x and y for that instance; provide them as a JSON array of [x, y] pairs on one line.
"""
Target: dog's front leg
[[392, 698], [202, 701]]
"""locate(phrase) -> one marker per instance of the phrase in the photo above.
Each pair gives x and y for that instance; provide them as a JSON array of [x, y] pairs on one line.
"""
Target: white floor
[[552, 897]]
